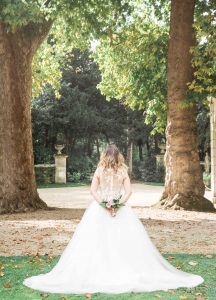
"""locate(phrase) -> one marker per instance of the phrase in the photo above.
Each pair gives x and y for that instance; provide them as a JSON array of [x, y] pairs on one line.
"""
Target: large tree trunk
[[18, 190], [184, 188]]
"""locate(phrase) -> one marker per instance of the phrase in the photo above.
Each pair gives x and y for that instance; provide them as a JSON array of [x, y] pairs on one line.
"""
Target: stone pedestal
[[60, 168], [160, 160], [212, 102], [160, 156]]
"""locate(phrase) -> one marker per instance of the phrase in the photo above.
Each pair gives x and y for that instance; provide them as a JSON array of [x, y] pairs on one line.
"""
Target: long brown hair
[[112, 158]]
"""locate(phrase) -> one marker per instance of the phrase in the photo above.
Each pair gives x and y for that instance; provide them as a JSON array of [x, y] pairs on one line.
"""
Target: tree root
[[8, 207], [189, 201]]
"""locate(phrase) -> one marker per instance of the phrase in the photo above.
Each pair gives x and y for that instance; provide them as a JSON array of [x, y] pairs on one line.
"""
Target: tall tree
[[184, 187], [136, 57], [83, 115], [18, 188], [23, 27]]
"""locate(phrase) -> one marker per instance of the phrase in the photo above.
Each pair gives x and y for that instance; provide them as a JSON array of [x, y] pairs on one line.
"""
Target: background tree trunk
[[129, 157], [140, 152], [184, 188], [98, 148], [17, 176]]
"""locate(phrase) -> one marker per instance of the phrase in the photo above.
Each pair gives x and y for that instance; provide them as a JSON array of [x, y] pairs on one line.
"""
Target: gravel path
[[48, 232]]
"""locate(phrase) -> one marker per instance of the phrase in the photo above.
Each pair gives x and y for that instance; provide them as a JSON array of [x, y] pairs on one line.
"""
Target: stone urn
[[162, 147], [59, 148]]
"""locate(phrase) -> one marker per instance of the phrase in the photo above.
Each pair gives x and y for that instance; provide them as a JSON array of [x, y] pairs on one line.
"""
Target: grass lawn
[[14, 269], [62, 185], [154, 183], [70, 184]]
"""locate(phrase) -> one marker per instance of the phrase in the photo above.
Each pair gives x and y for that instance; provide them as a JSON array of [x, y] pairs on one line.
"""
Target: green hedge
[[45, 174]]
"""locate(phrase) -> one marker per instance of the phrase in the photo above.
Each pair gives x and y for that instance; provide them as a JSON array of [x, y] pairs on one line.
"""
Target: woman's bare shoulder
[[99, 170], [124, 170], [125, 167]]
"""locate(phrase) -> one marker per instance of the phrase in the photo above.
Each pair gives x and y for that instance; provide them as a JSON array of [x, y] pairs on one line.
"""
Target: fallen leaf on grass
[[1, 267], [184, 296], [158, 296], [15, 267], [88, 296], [209, 256], [193, 263], [178, 266], [1, 274], [7, 285], [44, 295], [200, 296]]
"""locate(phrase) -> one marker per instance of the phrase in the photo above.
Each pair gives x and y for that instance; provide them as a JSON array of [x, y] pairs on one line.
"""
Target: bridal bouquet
[[112, 204]]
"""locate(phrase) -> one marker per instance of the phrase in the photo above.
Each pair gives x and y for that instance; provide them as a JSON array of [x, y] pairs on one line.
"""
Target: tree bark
[[89, 148], [140, 152], [18, 192], [129, 157], [98, 148], [184, 188]]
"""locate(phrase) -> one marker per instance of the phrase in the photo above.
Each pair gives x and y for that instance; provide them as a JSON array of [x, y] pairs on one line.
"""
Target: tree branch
[[35, 33]]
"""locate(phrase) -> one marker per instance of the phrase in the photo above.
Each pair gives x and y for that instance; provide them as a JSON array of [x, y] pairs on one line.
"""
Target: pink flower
[[109, 203]]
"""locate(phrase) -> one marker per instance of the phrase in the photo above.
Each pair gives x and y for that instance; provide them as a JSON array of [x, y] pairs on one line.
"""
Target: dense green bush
[[42, 154], [45, 174], [73, 177], [147, 170], [160, 174], [207, 179], [80, 163]]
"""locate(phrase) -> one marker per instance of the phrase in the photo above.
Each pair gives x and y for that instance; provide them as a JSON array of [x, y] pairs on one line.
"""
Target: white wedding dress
[[111, 254]]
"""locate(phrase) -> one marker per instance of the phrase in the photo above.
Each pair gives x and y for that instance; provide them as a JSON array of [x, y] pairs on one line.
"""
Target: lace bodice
[[111, 182]]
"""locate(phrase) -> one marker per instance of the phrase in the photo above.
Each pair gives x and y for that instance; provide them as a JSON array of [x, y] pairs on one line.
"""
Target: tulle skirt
[[111, 255]]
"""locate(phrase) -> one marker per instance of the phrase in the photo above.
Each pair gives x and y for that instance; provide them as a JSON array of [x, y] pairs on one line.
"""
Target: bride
[[110, 250]]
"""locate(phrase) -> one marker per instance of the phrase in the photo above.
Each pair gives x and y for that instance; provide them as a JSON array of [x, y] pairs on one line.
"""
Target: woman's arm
[[94, 187], [127, 188]]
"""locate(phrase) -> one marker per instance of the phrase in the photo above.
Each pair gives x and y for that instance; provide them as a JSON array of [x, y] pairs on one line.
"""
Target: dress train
[[111, 255]]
